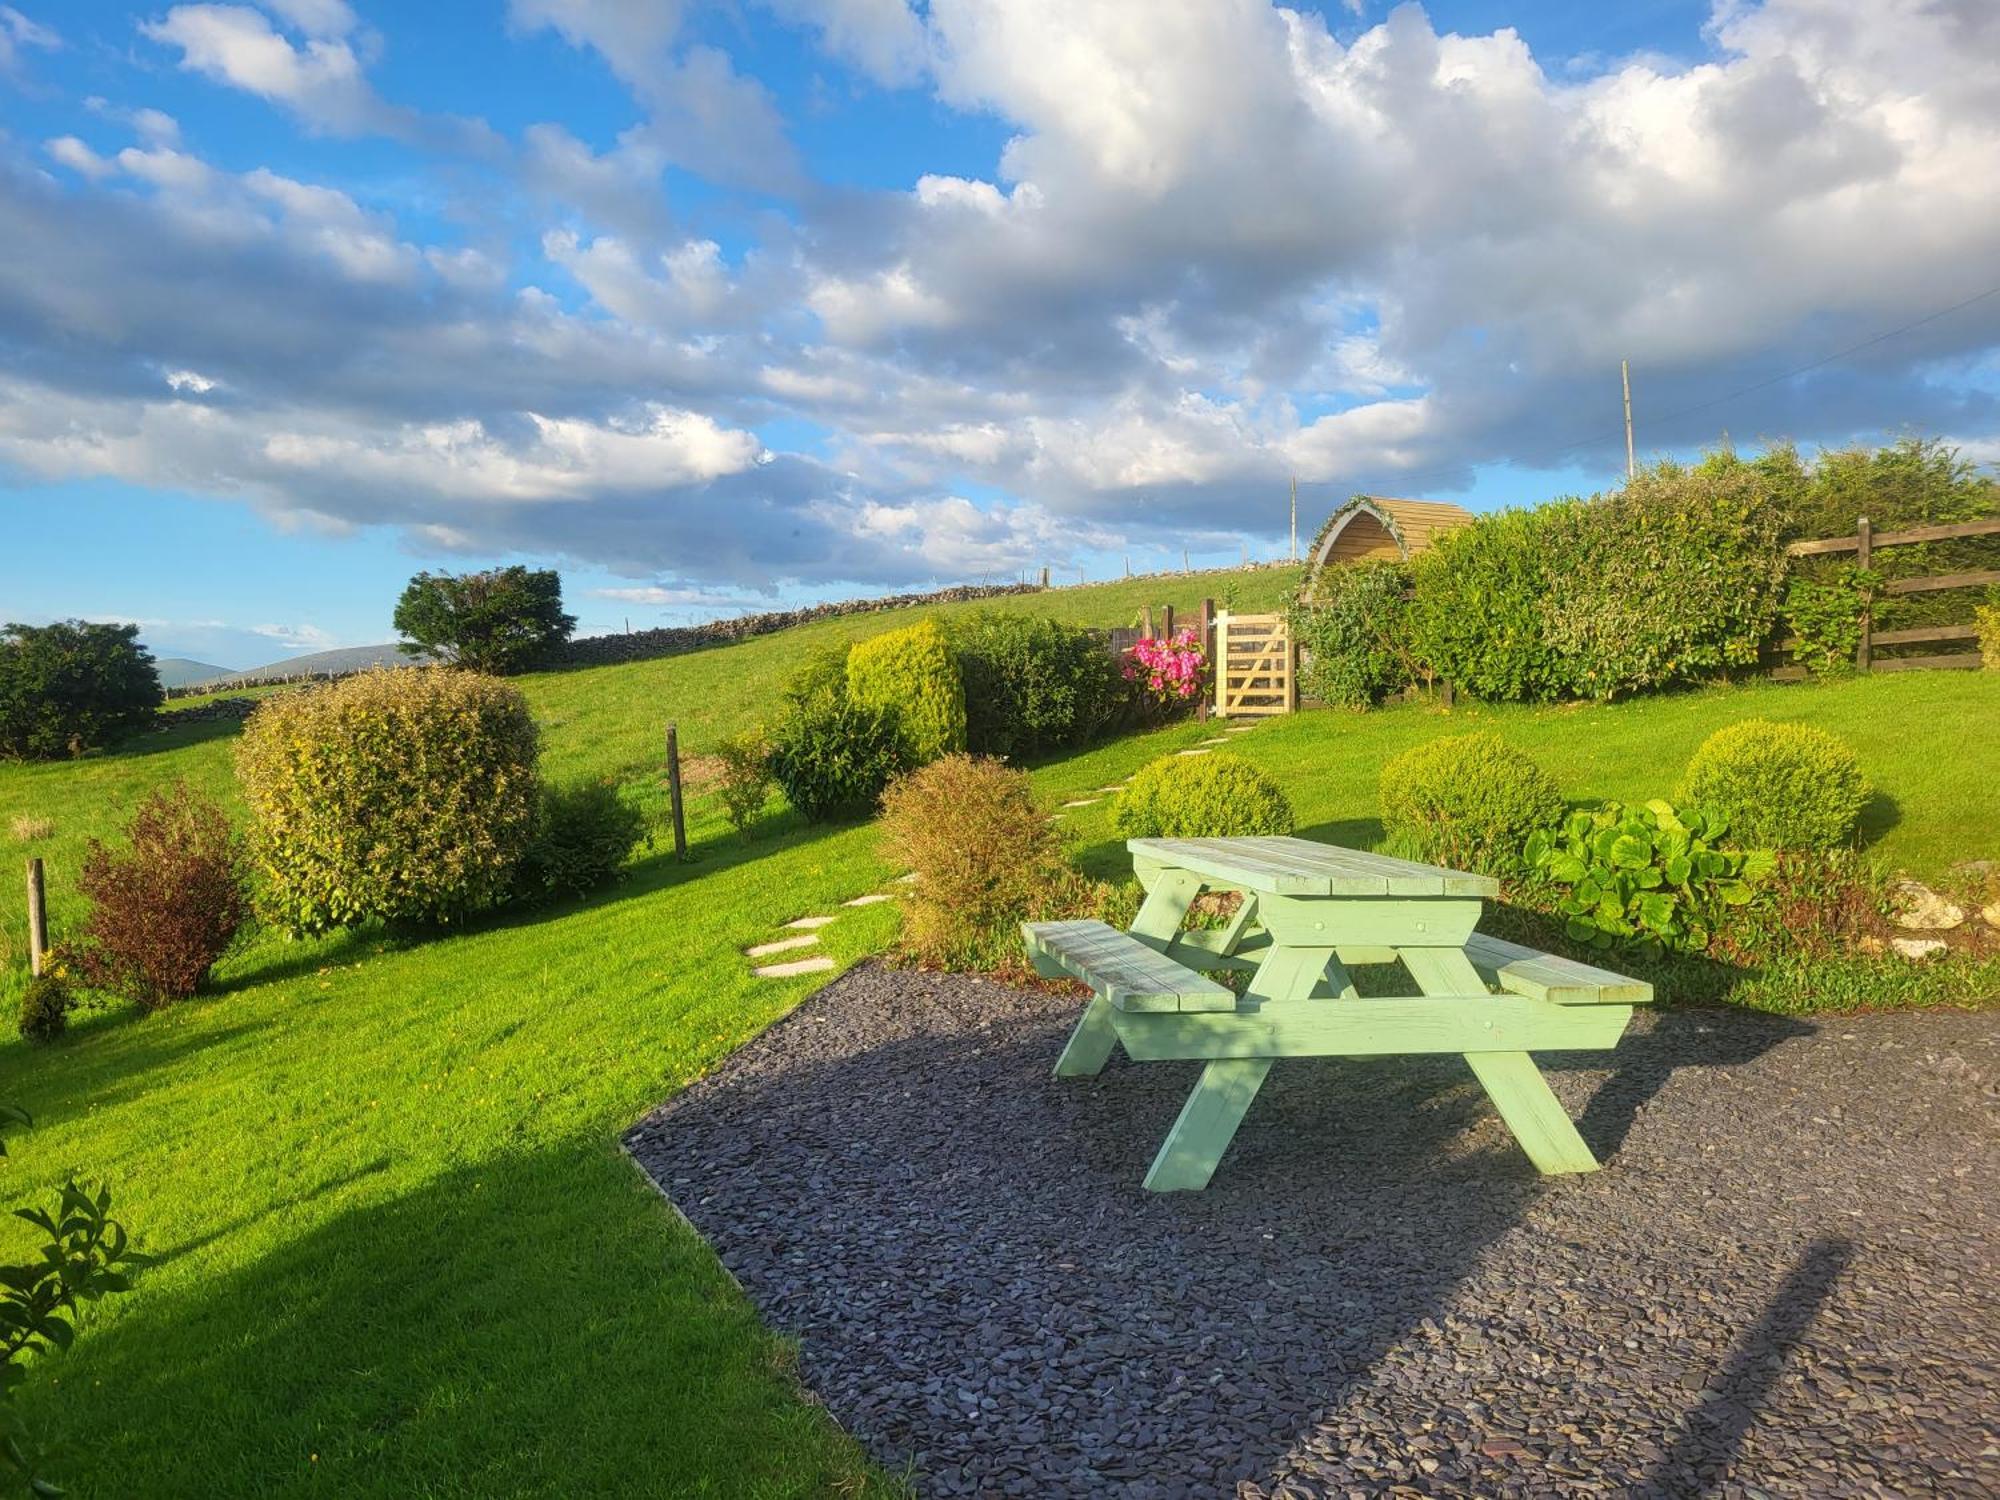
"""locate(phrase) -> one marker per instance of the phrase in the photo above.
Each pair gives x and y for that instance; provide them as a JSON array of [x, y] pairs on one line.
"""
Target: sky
[[721, 306]]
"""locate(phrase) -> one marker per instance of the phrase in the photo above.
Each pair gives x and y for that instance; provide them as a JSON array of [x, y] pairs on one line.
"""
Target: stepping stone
[[870, 899], [783, 945], [1117, 788], [795, 966], [1240, 728], [807, 924], [1083, 802], [909, 879], [1198, 750], [1218, 740]]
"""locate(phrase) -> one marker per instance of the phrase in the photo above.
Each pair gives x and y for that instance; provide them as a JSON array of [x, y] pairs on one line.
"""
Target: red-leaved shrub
[[163, 911]]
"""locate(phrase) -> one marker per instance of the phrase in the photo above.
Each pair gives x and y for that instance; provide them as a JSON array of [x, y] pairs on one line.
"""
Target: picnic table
[[1308, 913]]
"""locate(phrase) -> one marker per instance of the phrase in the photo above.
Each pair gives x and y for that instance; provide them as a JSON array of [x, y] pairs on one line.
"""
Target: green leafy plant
[[1352, 625], [832, 756], [45, 1008], [72, 686], [1201, 796], [1779, 786], [913, 675], [1034, 685], [744, 778], [501, 620], [583, 835], [403, 796], [1469, 801], [1643, 874], [1826, 616]]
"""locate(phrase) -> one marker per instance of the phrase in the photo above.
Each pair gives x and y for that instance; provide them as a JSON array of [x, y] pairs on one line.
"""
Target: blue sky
[[715, 306]]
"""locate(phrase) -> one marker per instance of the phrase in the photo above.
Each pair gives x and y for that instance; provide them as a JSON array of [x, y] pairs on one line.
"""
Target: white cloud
[[18, 33], [79, 158], [321, 82]]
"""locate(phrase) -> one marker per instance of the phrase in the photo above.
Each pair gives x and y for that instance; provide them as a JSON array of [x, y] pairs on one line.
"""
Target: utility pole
[[1625, 375], [1295, 518]]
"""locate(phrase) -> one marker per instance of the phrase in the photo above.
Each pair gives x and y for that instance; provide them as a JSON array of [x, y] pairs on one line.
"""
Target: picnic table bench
[[1308, 912]]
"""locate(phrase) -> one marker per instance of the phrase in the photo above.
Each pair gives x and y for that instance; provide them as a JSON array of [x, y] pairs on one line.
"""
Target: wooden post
[[1864, 650], [1045, 575], [38, 919], [1146, 623], [1625, 376], [1207, 628], [1167, 633], [1221, 663], [674, 790], [1185, 568]]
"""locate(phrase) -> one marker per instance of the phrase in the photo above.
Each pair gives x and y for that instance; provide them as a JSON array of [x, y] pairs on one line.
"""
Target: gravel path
[[1783, 1284]]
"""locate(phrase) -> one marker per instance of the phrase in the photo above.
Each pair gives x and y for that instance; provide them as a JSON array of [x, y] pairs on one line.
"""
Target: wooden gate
[[1253, 665]]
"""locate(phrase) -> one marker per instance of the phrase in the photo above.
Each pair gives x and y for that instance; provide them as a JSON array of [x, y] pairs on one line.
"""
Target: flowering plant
[[1170, 669]]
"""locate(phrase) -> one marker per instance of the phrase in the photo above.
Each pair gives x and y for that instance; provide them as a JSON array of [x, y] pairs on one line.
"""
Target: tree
[[72, 686], [497, 621]]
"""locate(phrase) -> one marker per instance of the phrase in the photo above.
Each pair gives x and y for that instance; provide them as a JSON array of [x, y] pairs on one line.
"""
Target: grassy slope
[[403, 1255]]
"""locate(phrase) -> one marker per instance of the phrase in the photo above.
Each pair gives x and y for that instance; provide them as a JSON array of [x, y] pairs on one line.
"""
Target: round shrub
[[1469, 801], [400, 795], [832, 756], [913, 674], [583, 834], [1033, 685], [1201, 797], [1781, 786], [45, 1007]]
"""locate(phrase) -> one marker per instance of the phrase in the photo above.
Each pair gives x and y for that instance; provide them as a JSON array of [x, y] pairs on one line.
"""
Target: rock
[[1920, 948], [1872, 945], [1990, 914], [1921, 909]]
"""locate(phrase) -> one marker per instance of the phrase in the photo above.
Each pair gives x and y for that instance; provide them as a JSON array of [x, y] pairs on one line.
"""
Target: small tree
[[501, 620], [72, 686]]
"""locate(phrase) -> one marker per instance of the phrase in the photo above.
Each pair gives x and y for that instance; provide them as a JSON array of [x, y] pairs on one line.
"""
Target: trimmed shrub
[[832, 757], [1469, 801], [1479, 615], [163, 911], [400, 796], [1352, 625], [912, 674], [45, 1008], [583, 835], [1034, 685], [744, 781], [72, 686], [1201, 796], [1780, 786]]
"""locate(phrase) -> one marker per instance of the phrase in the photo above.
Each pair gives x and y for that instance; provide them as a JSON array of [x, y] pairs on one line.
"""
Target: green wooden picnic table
[[1310, 912]]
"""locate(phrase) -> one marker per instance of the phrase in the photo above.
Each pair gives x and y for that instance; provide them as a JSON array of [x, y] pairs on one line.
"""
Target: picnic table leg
[[1512, 1081], [1207, 1123], [1090, 1044]]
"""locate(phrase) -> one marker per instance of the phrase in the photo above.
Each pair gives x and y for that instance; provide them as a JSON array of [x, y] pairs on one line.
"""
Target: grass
[[402, 1254]]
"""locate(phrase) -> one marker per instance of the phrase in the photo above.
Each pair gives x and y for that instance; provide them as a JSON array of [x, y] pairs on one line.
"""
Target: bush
[[1824, 616], [1166, 676], [832, 757], [912, 674], [164, 911], [1469, 801], [985, 856], [45, 1008], [72, 686], [821, 673], [1352, 625], [404, 795], [1033, 685], [1644, 875], [1780, 786], [1201, 796], [502, 620], [1479, 613], [583, 834], [744, 783]]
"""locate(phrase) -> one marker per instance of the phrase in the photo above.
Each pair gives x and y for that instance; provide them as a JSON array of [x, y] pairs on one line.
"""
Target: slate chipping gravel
[[1783, 1284]]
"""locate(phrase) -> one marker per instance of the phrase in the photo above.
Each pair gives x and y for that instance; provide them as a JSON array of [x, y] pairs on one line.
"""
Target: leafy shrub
[[832, 756], [1644, 875], [72, 686], [745, 780], [395, 795], [502, 620], [1352, 625], [1779, 786], [1201, 796], [165, 910], [1825, 617], [912, 674], [583, 834], [821, 673], [1479, 616], [1986, 618], [45, 1007], [1033, 685], [1468, 801]]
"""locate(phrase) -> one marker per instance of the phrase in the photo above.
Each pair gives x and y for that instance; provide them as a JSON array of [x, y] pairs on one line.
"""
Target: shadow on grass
[[1880, 814], [169, 735], [107, 1061]]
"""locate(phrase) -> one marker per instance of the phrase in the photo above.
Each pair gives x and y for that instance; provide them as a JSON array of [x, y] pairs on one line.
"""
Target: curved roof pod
[[1371, 526]]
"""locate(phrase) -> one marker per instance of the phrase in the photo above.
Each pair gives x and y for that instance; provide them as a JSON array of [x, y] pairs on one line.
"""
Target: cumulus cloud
[[18, 34]]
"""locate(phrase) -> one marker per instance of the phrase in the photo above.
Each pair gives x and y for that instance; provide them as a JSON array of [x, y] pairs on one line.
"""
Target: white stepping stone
[[807, 924], [783, 945], [1084, 802], [870, 899], [1240, 728], [1118, 788], [909, 879], [1218, 740], [795, 966], [1198, 750]]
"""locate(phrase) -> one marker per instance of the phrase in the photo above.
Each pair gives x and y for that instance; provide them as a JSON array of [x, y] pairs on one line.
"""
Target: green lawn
[[402, 1253]]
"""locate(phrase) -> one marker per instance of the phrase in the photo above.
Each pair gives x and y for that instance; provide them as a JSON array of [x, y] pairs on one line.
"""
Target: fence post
[[38, 919], [1146, 622], [1045, 575], [1167, 633], [1864, 536], [674, 790], [1207, 625], [1222, 664]]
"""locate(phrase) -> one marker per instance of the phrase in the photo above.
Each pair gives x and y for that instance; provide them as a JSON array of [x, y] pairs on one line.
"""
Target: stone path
[[1781, 1284]]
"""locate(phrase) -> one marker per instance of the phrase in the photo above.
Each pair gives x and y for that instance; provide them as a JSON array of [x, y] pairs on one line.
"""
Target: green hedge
[[1352, 626], [913, 674], [1034, 685]]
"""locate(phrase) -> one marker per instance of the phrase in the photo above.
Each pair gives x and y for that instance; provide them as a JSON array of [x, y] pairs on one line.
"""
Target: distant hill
[[179, 671], [346, 659]]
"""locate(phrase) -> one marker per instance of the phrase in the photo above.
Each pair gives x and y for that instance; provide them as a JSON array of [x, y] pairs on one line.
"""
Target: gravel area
[[1782, 1284]]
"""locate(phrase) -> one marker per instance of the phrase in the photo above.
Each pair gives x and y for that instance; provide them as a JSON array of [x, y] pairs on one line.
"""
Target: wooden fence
[[1254, 663], [1863, 544]]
